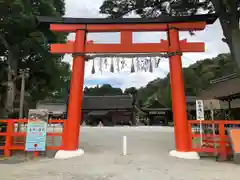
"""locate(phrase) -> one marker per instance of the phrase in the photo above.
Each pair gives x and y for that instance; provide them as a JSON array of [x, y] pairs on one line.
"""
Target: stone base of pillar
[[184, 155], [62, 154]]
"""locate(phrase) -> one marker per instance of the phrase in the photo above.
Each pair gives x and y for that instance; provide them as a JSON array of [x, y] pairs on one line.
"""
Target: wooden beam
[[127, 27], [163, 19], [193, 26], [128, 48], [66, 27], [111, 48], [62, 48], [126, 37], [191, 46]]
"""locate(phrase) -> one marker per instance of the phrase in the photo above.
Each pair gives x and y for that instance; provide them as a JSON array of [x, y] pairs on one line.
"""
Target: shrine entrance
[[173, 48]]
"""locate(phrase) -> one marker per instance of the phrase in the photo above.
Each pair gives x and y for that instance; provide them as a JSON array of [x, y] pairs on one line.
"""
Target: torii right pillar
[[181, 130]]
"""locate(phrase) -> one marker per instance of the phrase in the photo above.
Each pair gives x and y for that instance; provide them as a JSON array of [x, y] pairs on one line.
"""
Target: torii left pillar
[[72, 128]]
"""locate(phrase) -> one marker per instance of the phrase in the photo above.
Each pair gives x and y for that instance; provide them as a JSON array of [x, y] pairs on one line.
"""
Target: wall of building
[[121, 117]]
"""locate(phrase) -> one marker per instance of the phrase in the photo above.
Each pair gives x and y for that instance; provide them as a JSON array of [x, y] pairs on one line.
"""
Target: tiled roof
[[95, 102], [222, 90], [107, 102]]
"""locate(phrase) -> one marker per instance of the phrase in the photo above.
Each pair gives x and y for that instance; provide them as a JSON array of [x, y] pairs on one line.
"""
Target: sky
[[212, 36]]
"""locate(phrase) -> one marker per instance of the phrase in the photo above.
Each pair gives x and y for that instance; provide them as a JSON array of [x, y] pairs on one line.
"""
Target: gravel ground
[[147, 159]]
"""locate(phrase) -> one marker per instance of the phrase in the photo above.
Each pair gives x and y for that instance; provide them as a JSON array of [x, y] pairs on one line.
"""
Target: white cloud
[[211, 36]]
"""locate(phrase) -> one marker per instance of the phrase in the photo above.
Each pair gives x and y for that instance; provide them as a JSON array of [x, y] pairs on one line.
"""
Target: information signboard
[[200, 117], [36, 130], [200, 109]]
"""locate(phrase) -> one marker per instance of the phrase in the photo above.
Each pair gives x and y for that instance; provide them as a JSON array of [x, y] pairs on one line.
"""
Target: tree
[[23, 45], [104, 90], [147, 93], [49, 82], [130, 90], [197, 78], [228, 11]]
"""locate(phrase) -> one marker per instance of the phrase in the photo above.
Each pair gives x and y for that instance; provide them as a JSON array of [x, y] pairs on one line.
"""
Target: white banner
[[200, 116], [199, 110]]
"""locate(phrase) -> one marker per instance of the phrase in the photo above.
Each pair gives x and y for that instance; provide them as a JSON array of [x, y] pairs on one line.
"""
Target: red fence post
[[64, 135], [35, 154], [8, 142], [223, 148], [190, 134]]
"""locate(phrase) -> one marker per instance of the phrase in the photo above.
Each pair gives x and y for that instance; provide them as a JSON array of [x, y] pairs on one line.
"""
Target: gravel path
[[147, 159]]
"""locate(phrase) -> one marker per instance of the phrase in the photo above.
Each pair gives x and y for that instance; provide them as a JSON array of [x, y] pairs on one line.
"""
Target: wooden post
[[178, 94], [223, 149], [8, 141], [71, 141]]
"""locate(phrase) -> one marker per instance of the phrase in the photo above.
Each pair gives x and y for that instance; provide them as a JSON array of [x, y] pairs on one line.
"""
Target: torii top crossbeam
[[149, 24], [208, 18], [126, 26]]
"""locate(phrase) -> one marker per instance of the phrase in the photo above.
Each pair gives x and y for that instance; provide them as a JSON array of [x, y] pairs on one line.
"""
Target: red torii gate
[[126, 27]]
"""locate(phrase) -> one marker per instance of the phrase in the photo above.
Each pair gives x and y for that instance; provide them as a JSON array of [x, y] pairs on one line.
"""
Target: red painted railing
[[214, 137], [16, 140]]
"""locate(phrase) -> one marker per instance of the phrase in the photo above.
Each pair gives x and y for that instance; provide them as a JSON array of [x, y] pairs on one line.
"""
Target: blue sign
[[36, 136]]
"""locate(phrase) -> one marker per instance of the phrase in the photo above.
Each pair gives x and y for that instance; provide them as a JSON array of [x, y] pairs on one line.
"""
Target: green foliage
[[19, 26], [152, 90], [227, 10], [50, 81], [196, 77], [153, 8], [23, 44], [104, 90], [130, 90]]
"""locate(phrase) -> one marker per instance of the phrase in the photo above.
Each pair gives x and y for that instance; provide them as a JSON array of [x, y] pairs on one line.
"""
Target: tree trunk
[[11, 74], [2, 108], [232, 35], [230, 26], [10, 93], [235, 46]]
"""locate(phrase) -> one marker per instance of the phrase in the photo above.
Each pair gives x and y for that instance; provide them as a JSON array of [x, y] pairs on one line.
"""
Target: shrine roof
[[224, 88], [96, 102], [107, 102], [209, 18]]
